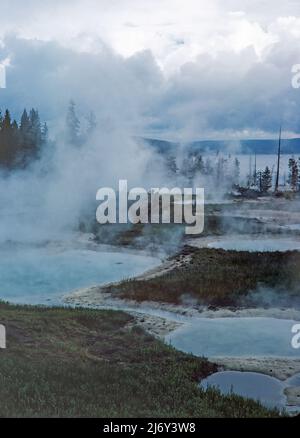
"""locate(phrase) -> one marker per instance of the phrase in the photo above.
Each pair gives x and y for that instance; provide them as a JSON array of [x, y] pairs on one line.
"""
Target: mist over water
[[48, 200], [248, 337], [42, 275], [42, 206]]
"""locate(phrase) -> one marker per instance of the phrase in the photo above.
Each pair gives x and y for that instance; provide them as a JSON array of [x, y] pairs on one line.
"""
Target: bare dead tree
[[278, 162]]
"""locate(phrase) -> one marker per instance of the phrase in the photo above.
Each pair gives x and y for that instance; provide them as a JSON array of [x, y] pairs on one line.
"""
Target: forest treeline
[[20, 143], [224, 172], [23, 142]]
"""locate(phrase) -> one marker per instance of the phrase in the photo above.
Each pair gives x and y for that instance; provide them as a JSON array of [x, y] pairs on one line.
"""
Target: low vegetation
[[220, 278], [62, 362]]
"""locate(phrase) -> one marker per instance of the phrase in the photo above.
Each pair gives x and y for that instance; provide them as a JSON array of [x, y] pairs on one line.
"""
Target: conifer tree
[[72, 125], [19, 145], [6, 156], [266, 180], [293, 174], [236, 171], [45, 132], [92, 124]]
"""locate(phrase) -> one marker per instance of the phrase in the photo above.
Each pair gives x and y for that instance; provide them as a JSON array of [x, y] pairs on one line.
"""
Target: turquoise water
[[235, 337], [257, 244], [41, 275], [241, 337], [266, 389]]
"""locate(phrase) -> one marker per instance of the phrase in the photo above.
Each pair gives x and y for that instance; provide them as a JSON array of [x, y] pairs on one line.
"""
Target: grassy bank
[[87, 363], [220, 278]]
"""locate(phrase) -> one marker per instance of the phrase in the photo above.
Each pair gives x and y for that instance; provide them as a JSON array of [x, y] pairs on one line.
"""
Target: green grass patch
[[219, 278], [63, 362]]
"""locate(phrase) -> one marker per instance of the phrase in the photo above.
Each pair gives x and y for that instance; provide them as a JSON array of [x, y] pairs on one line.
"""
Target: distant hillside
[[288, 146], [161, 146]]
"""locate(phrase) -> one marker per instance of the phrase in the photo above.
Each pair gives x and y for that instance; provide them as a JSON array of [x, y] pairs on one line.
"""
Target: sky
[[173, 69]]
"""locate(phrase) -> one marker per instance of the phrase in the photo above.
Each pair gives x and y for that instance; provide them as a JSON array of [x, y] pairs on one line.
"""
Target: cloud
[[129, 26], [47, 75], [237, 92], [160, 68]]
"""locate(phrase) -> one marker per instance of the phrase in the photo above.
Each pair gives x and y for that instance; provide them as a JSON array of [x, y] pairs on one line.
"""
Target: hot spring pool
[[41, 275], [256, 244], [241, 337], [219, 337], [266, 389]]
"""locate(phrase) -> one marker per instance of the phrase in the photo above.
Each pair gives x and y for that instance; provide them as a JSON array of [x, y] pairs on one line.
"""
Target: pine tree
[[208, 169], [24, 138], [259, 180], [266, 180], [236, 171], [220, 170], [45, 132], [6, 124], [171, 166], [187, 169], [92, 124], [15, 142], [72, 125], [7, 156], [35, 133], [19, 145], [199, 165], [298, 173], [25, 125], [293, 174]]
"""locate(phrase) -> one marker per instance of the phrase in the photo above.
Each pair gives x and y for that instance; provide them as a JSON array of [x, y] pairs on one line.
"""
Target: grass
[[62, 362], [219, 278]]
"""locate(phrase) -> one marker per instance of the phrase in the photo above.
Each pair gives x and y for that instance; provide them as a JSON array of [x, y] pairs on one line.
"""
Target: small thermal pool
[[256, 244], [266, 389], [241, 337], [219, 337], [41, 275]]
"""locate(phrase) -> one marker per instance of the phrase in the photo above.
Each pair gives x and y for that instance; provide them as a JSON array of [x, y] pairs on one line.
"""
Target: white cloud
[[175, 31], [165, 67]]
